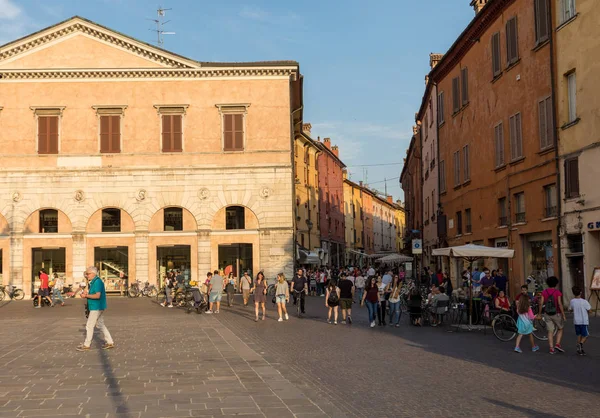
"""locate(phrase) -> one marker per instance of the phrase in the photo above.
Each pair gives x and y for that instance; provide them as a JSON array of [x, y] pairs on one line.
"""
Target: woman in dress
[[332, 300], [502, 302], [282, 296], [525, 324], [260, 292]]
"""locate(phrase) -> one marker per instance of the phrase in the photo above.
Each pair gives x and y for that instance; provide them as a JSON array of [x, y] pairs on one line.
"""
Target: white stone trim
[[235, 232], [111, 234], [46, 236], [173, 234]]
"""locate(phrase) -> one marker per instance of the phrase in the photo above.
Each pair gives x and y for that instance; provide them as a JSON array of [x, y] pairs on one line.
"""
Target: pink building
[[331, 204]]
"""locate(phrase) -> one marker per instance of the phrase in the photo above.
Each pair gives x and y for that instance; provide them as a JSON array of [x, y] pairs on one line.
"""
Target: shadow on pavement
[[114, 389], [525, 411]]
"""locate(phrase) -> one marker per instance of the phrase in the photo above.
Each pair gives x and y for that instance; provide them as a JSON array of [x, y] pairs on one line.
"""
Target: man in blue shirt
[[96, 301]]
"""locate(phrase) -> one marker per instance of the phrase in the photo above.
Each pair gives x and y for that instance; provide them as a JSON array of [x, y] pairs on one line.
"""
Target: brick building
[[411, 180]]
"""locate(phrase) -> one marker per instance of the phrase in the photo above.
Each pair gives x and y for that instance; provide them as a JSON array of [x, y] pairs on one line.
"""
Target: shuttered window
[[464, 75], [455, 94], [546, 123], [571, 178], [172, 133], [572, 96], [512, 42], [516, 140], [541, 21], [496, 57], [233, 132], [110, 134], [567, 10], [48, 134], [442, 168], [440, 108], [499, 144], [466, 165], [457, 168]]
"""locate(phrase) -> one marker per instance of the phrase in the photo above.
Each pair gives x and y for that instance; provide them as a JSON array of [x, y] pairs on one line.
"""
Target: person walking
[[44, 290], [245, 286], [554, 313], [282, 296], [332, 300], [215, 290], [525, 324], [96, 301], [383, 294], [394, 289], [59, 284], [359, 284], [300, 287], [581, 320], [346, 298], [371, 298], [260, 292], [230, 289], [169, 286]]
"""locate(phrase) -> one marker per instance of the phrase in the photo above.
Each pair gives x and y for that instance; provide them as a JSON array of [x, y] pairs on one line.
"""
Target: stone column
[[141, 256], [204, 251], [16, 261], [79, 261]]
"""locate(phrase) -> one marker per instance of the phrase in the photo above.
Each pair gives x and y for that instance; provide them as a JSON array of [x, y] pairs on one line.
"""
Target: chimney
[[360, 183], [335, 151], [390, 199], [327, 142], [478, 5], [306, 128], [434, 59]]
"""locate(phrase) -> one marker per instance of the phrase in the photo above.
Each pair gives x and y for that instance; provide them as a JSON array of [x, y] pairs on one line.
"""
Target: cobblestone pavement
[[169, 364]]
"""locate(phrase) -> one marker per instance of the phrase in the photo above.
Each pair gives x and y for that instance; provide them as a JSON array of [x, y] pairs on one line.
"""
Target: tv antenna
[[160, 22]]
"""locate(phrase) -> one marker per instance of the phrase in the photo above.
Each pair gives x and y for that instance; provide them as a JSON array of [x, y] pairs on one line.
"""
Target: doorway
[[576, 272], [235, 258], [173, 257], [52, 260], [113, 265]]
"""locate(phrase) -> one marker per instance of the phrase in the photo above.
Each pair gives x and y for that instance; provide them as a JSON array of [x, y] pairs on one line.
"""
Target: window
[[457, 168], [496, 57], [440, 108], [173, 219], [512, 42], [516, 140], [567, 10], [502, 212], [306, 156], [235, 217], [233, 132], [110, 134], [111, 220], [550, 206], [572, 96], [466, 165], [499, 144], [48, 221], [541, 21], [459, 223], [468, 227], [546, 123], [442, 169], [432, 205], [464, 75], [455, 94], [47, 134], [172, 133], [571, 178], [520, 208], [427, 209]]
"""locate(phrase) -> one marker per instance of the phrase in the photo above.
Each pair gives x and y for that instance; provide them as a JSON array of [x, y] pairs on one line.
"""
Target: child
[[580, 308], [525, 324]]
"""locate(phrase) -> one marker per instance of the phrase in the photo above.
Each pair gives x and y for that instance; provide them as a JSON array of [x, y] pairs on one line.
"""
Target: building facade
[[496, 138], [331, 201], [400, 219], [411, 182], [384, 225], [125, 156], [577, 102]]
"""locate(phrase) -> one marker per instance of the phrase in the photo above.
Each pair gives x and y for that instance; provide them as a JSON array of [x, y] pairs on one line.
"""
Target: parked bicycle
[[149, 290], [12, 292]]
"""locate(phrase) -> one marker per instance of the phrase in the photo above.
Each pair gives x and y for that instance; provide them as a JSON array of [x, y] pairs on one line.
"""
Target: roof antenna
[[160, 22]]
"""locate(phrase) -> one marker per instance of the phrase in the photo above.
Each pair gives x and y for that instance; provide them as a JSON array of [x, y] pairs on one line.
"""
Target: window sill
[[568, 125], [514, 64], [517, 161], [457, 187], [443, 193], [502, 227], [573, 199], [500, 168], [442, 123], [546, 150], [467, 234], [566, 22], [541, 44], [551, 218], [497, 77], [519, 223], [466, 182]]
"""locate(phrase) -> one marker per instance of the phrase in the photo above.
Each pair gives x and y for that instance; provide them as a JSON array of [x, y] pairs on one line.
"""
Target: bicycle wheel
[[1, 295], [132, 292], [505, 327], [540, 330], [152, 293], [17, 295]]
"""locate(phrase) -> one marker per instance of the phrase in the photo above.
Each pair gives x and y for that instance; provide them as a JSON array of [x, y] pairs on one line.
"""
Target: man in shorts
[[346, 298], [554, 313], [44, 290], [215, 292], [246, 284]]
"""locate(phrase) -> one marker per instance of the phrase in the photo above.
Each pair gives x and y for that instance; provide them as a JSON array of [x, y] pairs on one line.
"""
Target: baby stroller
[[196, 302]]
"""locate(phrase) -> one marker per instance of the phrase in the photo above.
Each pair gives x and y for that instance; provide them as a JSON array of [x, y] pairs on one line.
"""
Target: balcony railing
[[551, 212], [503, 221], [520, 217]]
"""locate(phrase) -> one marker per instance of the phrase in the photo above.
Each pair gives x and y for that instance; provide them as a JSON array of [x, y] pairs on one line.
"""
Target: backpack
[[333, 296], [550, 304]]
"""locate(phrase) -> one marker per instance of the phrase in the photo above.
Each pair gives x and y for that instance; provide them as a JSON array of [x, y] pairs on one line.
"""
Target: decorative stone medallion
[[79, 196], [16, 197], [265, 192], [140, 195], [203, 193]]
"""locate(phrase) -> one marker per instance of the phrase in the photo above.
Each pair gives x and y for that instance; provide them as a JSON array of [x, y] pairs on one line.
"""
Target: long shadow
[[527, 411], [114, 389], [5, 303]]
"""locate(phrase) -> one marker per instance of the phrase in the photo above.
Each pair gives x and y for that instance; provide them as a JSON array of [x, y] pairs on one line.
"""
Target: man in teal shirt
[[96, 300]]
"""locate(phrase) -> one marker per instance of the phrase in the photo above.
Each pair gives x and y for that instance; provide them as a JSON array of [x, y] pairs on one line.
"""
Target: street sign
[[417, 246]]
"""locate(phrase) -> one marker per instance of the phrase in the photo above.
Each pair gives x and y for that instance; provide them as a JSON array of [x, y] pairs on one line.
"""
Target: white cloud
[[9, 10]]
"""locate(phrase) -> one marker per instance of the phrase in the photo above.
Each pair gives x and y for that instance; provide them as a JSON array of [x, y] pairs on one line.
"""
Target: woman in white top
[[282, 296], [395, 288]]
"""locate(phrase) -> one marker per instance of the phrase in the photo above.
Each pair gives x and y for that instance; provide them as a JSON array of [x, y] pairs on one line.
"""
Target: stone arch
[[94, 221], [110, 200], [187, 200], [18, 213], [31, 224], [247, 198], [156, 223], [218, 220]]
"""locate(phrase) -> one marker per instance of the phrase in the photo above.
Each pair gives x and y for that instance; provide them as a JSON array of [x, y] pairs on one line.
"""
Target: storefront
[[171, 258], [113, 265], [236, 258], [52, 260], [538, 256]]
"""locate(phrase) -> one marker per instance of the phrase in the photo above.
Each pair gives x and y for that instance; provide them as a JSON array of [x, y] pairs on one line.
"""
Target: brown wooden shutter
[[105, 134], [541, 20], [542, 122], [238, 124], [513, 138], [110, 134], [177, 134], [512, 43], [43, 135], [455, 94], [496, 64], [465, 85], [519, 135], [572, 177], [228, 132], [48, 134], [549, 123], [166, 133], [233, 133]]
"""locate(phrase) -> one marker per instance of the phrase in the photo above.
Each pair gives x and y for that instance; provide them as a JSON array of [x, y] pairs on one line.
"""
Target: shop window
[[111, 220], [173, 219], [235, 218], [48, 221]]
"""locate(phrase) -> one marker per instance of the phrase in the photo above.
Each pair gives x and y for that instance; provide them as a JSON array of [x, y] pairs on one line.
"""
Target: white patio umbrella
[[394, 258]]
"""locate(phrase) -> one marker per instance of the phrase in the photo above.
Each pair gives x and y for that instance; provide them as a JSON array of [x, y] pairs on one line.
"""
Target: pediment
[[78, 43]]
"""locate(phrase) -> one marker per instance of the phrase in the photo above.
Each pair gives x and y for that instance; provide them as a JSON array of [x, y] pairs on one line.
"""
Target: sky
[[364, 63]]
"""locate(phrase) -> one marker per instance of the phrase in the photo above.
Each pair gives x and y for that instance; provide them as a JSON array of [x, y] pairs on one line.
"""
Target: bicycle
[[505, 328], [298, 298], [12, 292]]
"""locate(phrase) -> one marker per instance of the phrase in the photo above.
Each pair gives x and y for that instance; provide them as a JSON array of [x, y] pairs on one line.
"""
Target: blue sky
[[363, 62]]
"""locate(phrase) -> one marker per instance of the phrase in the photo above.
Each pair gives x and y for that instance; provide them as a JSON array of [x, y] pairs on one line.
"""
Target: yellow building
[[577, 94], [119, 154], [306, 179], [400, 220]]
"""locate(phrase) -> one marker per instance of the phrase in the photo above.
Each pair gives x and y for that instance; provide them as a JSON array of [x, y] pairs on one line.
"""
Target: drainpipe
[[556, 153]]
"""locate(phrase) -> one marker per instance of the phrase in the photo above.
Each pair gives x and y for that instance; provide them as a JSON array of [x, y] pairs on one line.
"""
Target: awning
[[395, 258], [356, 252], [472, 251], [308, 257], [379, 255]]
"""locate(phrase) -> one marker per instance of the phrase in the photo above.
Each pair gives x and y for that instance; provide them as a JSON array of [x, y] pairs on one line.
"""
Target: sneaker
[[170, 306], [535, 348], [217, 311], [518, 350], [209, 312], [579, 349], [83, 348], [38, 307], [107, 346], [343, 322], [552, 351], [287, 317], [256, 319], [329, 321], [373, 324], [581, 352], [557, 347], [349, 320], [280, 320], [163, 304], [335, 323]]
